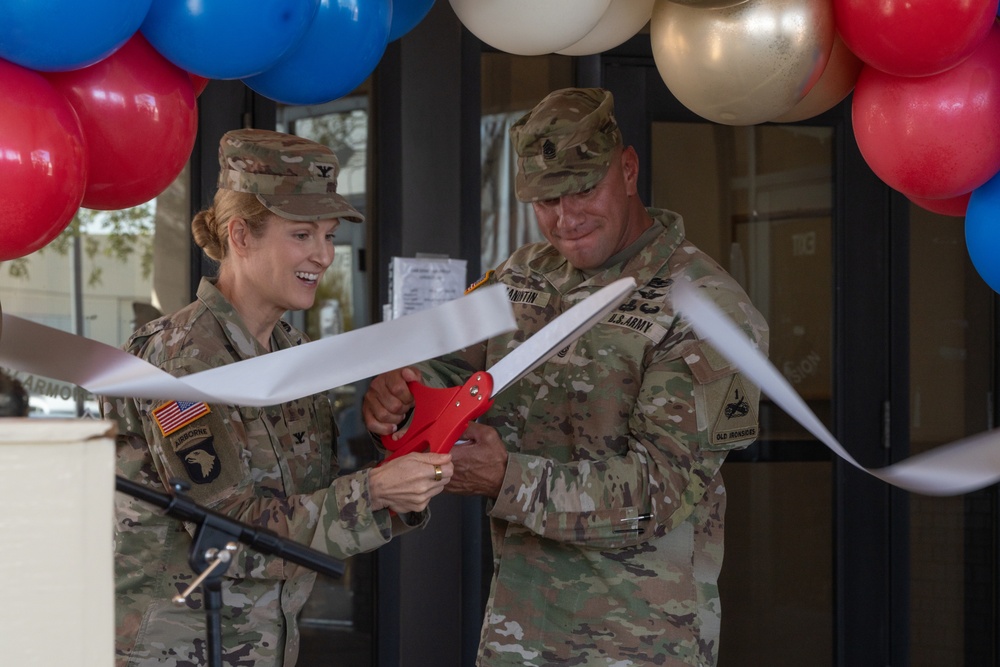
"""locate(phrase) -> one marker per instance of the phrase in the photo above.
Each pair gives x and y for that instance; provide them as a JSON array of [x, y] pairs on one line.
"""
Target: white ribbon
[[280, 376], [959, 467]]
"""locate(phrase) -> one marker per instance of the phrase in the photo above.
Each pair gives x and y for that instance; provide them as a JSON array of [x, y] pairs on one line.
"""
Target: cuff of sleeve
[[347, 525], [407, 522]]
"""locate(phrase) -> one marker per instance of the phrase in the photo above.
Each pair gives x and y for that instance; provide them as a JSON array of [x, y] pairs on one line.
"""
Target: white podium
[[57, 484]]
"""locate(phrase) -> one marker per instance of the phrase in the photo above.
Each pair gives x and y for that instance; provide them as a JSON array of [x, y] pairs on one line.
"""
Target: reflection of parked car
[[53, 406], [13, 397]]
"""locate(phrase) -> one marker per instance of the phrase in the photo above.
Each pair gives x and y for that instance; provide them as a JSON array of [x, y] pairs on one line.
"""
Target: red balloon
[[139, 117], [932, 137], [954, 206], [43, 162], [913, 37], [199, 83]]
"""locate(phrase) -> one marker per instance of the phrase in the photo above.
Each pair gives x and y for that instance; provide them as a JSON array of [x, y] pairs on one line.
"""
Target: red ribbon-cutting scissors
[[440, 416]]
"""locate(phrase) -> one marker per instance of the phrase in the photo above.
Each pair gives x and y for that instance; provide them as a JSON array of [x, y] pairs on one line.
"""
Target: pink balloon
[[913, 37], [43, 162], [954, 206], [932, 137], [139, 117]]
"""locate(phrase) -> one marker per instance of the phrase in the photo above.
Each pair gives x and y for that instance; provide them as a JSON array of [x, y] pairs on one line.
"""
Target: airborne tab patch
[[178, 414], [737, 419]]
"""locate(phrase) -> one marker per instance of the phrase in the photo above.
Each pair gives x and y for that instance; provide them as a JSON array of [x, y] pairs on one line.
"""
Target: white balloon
[[530, 27], [623, 20]]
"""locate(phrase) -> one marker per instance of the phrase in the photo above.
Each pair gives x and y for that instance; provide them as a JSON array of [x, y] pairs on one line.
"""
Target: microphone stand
[[212, 550]]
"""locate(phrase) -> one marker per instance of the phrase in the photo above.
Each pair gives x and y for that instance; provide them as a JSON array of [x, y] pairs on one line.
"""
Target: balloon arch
[[98, 98]]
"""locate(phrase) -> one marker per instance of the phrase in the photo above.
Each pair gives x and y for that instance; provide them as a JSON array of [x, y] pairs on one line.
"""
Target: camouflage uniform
[[607, 533], [269, 467]]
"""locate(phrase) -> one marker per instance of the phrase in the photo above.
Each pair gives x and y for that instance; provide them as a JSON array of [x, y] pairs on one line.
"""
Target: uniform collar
[[236, 332]]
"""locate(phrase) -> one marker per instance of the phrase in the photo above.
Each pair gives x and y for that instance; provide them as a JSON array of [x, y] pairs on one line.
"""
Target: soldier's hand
[[480, 463], [388, 400], [407, 483]]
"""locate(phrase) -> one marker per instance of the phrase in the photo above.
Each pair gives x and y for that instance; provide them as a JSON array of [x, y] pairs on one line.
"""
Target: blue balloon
[[406, 14], [226, 39], [64, 35], [982, 231], [341, 48]]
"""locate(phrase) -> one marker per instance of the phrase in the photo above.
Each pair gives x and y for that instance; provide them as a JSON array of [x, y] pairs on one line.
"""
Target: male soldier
[[602, 466]]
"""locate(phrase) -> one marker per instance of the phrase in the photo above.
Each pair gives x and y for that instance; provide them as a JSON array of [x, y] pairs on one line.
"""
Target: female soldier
[[271, 230]]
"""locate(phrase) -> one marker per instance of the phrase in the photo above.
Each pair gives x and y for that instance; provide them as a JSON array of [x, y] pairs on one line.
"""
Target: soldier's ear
[[630, 169], [239, 235]]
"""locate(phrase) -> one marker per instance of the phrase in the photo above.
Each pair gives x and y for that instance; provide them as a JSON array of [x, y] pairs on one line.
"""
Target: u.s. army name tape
[[959, 467], [280, 376]]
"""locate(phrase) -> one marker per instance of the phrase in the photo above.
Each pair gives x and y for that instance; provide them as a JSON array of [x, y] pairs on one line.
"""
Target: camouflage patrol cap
[[564, 144], [293, 177]]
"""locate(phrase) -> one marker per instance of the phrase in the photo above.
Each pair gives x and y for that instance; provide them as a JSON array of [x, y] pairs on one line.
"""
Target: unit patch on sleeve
[[196, 450], [737, 419], [177, 414]]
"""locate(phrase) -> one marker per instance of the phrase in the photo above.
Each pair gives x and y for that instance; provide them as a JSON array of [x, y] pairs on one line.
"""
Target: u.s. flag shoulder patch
[[178, 414], [479, 283]]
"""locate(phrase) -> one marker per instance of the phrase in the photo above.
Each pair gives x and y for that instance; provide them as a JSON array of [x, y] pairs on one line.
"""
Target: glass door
[[952, 553], [762, 201], [759, 200], [880, 323]]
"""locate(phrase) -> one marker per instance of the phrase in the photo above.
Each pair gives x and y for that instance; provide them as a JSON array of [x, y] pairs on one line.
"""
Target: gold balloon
[[835, 84], [743, 64]]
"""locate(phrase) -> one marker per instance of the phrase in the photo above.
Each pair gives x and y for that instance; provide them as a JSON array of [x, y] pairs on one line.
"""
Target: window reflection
[[106, 274], [758, 200]]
